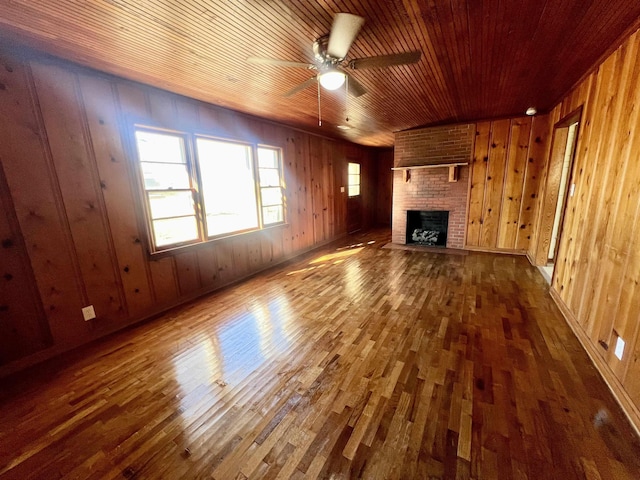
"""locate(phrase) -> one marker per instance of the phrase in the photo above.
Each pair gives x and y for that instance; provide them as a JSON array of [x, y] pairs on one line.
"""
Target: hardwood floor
[[353, 362]]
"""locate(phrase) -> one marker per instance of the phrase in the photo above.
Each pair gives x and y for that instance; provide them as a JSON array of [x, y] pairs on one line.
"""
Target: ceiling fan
[[330, 52]]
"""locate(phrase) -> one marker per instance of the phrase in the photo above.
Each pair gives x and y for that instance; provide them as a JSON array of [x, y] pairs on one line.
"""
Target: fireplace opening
[[427, 227]]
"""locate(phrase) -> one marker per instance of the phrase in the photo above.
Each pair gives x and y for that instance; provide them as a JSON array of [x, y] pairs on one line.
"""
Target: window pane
[[269, 177], [273, 214], [159, 147], [228, 186], [354, 179], [354, 190], [271, 196], [170, 204], [268, 158], [175, 230], [165, 176], [354, 168]]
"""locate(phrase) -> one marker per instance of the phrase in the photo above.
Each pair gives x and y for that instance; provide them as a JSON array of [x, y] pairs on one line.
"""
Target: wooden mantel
[[453, 169]]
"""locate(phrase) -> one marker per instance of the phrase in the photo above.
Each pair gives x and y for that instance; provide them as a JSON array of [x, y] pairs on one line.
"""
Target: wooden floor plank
[[355, 361]]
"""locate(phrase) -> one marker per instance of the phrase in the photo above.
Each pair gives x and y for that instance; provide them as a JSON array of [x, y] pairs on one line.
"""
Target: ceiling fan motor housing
[[320, 52]]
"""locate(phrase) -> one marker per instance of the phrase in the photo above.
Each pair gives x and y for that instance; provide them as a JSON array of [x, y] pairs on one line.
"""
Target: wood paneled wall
[[384, 187], [22, 329], [508, 159], [597, 277], [70, 221]]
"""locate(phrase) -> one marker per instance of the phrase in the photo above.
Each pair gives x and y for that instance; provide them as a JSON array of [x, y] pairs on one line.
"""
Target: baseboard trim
[[531, 259], [506, 251], [617, 389]]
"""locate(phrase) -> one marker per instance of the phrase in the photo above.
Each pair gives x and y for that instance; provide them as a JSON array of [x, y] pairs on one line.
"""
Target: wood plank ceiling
[[480, 58]]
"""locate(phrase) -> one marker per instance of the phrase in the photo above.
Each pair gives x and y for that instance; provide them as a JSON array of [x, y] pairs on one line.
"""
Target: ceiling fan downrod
[[319, 107]]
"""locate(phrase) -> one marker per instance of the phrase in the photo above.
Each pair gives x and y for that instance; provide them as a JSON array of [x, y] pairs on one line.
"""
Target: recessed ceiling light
[[531, 111], [344, 127]]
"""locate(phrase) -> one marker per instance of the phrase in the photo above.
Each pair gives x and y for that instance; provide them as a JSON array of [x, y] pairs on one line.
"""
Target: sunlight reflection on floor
[[341, 254], [247, 339]]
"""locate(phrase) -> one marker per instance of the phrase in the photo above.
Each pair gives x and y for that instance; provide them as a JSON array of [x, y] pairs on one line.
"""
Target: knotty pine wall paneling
[[72, 191], [79, 184], [494, 183], [292, 203], [369, 189], [384, 183], [506, 167], [22, 326], [208, 268], [478, 175], [541, 133], [35, 193], [340, 180], [514, 182], [597, 278], [100, 102], [301, 181], [319, 199]]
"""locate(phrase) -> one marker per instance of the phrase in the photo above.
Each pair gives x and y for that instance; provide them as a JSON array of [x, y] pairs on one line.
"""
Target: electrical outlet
[[88, 313], [341, 189]]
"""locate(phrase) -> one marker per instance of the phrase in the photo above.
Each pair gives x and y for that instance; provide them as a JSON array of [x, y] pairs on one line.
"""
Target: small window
[[199, 187], [271, 195], [353, 184]]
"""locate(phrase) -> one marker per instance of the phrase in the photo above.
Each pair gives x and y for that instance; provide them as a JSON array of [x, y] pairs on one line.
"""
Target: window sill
[[173, 251]]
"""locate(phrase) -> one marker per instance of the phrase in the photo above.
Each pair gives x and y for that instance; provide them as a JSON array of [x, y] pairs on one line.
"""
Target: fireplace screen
[[427, 227]]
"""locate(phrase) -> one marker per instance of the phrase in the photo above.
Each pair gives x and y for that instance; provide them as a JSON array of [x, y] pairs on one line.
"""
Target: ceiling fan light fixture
[[332, 79], [531, 111]]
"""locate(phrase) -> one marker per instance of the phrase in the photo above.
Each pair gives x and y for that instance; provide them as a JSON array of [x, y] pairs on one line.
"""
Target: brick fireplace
[[429, 189]]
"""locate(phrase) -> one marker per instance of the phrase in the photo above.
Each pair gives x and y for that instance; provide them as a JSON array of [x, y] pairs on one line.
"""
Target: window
[[198, 187], [270, 188], [168, 187], [353, 184], [228, 188]]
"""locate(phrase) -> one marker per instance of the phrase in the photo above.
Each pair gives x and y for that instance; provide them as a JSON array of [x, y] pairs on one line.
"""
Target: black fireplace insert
[[427, 227]]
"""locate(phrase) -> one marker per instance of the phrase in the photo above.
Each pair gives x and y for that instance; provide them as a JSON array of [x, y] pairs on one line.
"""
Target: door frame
[[551, 193]]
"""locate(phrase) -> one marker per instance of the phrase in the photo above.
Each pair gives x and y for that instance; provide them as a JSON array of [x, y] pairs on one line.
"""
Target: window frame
[[359, 185], [192, 162], [281, 184], [192, 175], [202, 204]]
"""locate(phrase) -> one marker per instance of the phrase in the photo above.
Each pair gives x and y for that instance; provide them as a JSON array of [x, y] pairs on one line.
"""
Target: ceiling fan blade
[[380, 61], [355, 88], [302, 86], [282, 63], [343, 32]]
